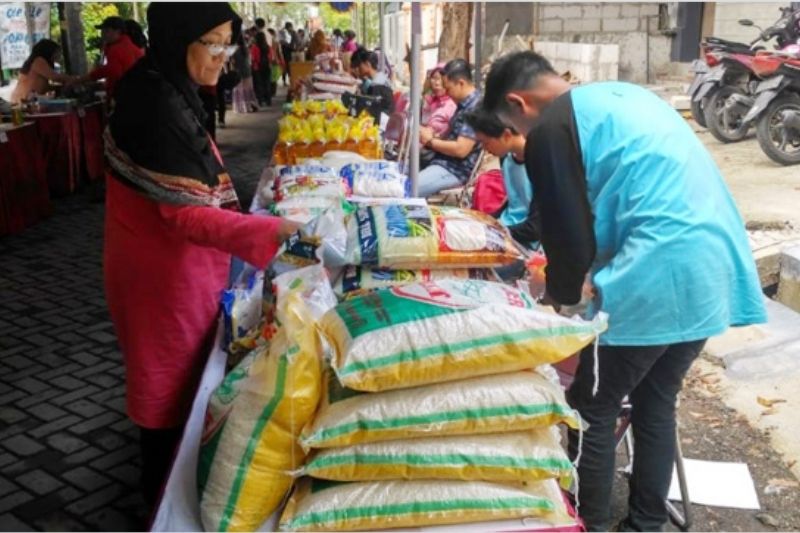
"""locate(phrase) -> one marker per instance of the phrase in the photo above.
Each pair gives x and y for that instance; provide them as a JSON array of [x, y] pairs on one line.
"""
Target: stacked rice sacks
[[432, 412]]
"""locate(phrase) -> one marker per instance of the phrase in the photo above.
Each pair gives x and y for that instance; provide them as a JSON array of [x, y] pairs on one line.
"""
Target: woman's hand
[[287, 229]]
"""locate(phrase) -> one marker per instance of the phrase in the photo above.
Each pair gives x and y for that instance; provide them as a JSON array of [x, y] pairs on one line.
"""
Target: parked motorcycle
[[708, 74], [777, 105], [726, 69], [728, 105]]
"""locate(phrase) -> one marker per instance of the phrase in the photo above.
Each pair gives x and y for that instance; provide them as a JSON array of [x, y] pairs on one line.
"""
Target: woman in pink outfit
[[437, 108], [349, 45], [172, 223]]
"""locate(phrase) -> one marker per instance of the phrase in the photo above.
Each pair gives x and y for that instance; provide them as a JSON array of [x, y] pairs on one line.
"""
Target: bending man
[[629, 196]]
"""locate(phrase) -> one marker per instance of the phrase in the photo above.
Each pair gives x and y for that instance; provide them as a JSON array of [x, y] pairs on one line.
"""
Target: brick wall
[[623, 24]]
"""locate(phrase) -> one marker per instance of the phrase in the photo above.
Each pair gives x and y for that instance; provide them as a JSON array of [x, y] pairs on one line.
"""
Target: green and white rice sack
[[318, 505], [505, 457], [514, 401]]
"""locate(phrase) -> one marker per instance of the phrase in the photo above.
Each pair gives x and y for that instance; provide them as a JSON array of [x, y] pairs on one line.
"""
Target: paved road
[[68, 454]]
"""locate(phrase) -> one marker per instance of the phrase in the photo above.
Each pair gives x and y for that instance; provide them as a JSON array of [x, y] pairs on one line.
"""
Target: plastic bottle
[[538, 279]]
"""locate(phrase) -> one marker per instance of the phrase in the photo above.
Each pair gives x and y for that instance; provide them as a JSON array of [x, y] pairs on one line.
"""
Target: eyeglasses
[[216, 49]]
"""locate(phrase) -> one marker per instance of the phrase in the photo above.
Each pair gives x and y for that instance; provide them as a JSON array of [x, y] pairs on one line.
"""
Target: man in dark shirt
[[628, 195], [375, 83], [456, 153]]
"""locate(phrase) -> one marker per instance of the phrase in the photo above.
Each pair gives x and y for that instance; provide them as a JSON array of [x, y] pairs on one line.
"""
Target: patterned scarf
[[168, 188]]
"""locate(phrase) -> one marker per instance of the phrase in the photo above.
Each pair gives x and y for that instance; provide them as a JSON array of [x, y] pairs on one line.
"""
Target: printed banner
[[21, 25]]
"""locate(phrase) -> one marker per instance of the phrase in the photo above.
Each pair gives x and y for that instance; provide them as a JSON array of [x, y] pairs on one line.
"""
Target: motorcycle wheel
[[697, 112], [732, 131], [779, 143]]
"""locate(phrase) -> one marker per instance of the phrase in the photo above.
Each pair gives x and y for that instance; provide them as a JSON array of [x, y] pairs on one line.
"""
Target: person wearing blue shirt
[[629, 196], [509, 145]]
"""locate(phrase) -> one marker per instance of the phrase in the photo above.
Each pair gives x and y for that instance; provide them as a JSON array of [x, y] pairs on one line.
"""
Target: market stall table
[[24, 198], [92, 121], [179, 508], [60, 135]]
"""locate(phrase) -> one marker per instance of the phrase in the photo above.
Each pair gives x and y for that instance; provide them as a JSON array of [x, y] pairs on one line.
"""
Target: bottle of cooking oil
[[369, 146], [354, 137]]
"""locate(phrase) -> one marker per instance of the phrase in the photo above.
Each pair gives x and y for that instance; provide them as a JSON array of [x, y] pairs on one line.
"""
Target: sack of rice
[[444, 330], [323, 239], [498, 403], [318, 505], [358, 280], [249, 446], [303, 209], [413, 236], [311, 283], [308, 181], [381, 179], [519, 456], [242, 309]]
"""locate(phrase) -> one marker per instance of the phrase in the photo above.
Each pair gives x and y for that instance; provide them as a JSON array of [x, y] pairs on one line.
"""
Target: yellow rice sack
[[403, 236], [445, 330], [489, 404], [249, 444], [318, 505], [519, 456], [356, 280]]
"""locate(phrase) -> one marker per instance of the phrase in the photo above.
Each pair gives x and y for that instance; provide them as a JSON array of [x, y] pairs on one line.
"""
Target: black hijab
[[172, 27], [156, 142]]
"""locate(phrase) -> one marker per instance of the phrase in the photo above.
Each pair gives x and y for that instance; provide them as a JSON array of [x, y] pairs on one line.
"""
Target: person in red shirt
[[120, 54]]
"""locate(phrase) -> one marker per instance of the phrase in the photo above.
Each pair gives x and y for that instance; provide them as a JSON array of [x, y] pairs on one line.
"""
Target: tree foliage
[[333, 19]]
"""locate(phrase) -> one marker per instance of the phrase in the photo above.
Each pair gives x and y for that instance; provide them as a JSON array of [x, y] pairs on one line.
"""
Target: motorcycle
[[707, 75], [727, 106], [726, 69], [777, 106]]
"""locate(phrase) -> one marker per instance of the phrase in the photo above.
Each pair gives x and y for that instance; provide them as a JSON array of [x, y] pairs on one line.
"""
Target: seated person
[[364, 65], [38, 71], [457, 152], [505, 143], [437, 106]]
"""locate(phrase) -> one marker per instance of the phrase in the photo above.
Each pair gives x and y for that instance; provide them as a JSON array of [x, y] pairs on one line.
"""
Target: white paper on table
[[717, 484]]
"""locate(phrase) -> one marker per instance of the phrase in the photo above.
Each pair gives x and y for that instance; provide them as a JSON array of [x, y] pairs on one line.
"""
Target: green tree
[[333, 19], [292, 12]]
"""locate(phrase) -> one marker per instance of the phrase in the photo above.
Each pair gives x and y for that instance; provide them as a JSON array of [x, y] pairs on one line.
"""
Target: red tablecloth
[[60, 135], [93, 123], [24, 197]]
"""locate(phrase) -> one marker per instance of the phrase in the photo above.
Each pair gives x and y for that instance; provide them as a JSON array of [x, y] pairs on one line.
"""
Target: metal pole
[[382, 15], [364, 7], [478, 43], [416, 93]]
